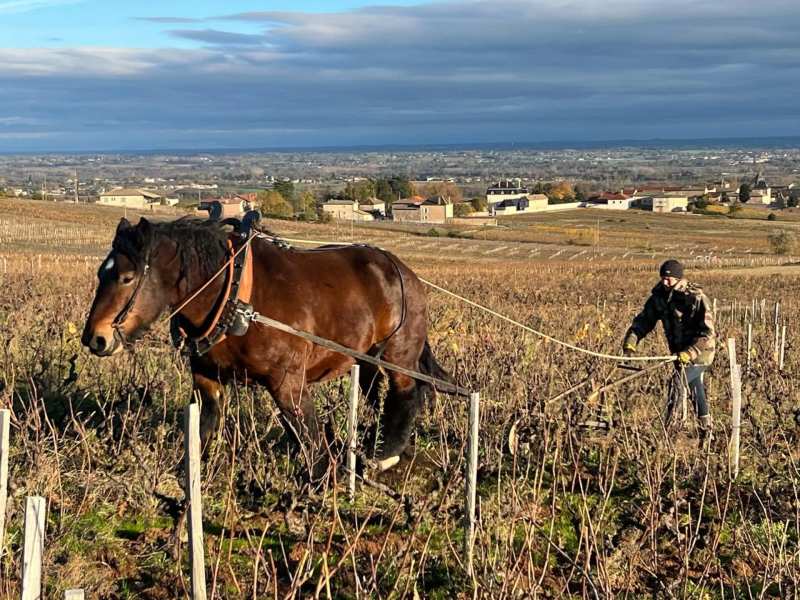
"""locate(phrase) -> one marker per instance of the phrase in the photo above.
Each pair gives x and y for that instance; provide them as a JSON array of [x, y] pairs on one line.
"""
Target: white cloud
[[21, 6]]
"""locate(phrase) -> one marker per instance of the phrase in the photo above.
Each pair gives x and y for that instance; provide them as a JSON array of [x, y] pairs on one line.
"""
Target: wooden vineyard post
[[35, 517], [736, 408], [783, 348], [684, 403], [193, 496], [5, 423], [472, 476], [776, 353], [352, 426], [749, 344]]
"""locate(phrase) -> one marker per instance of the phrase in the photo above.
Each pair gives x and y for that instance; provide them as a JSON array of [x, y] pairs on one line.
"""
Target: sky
[[89, 75]]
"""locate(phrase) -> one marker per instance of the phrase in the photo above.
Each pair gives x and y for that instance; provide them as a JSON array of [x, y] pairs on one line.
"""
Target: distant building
[[505, 190], [611, 201], [524, 204], [669, 202], [129, 198], [436, 209], [345, 210], [375, 206]]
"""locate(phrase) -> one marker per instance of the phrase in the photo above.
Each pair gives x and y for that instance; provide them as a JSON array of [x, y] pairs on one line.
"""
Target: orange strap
[[246, 282], [224, 299]]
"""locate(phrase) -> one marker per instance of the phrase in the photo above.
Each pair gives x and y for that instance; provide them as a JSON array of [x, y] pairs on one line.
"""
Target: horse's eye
[[126, 279]]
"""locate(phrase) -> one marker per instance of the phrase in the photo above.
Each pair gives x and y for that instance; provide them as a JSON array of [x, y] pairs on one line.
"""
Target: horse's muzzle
[[101, 345]]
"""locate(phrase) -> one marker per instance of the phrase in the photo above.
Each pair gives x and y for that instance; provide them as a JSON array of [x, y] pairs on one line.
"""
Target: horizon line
[[753, 141]]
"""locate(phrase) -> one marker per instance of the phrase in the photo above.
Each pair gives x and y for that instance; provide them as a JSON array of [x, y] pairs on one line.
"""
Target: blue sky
[[90, 75], [72, 23]]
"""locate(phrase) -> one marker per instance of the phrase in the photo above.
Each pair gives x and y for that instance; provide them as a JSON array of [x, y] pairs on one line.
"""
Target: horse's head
[[136, 284]]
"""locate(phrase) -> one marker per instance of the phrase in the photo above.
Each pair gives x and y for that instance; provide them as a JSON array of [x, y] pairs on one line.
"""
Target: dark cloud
[[443, 72]]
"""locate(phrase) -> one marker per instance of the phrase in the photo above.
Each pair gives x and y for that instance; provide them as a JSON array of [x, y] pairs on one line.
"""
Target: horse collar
[[229, 316]]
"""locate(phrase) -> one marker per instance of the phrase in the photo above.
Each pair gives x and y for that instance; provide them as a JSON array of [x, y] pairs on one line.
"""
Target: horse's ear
[[123, 225], [144, 227]]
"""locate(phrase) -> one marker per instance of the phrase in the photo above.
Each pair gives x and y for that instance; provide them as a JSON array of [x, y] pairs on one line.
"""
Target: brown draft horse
[[359, 296]]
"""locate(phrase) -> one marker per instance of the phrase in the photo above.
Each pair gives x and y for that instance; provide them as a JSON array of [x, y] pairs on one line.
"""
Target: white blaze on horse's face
[[109, 264]]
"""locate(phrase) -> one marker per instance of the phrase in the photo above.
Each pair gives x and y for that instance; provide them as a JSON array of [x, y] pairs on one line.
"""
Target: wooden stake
[[783, 347], [5, 422], [194, 498], [776, 353], [472, 476], [73, 595], [352, 430], [35, 517], [736, 408], [749, 343]]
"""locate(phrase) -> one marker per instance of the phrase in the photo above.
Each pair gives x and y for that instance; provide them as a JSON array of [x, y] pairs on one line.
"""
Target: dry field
[[635, 511]]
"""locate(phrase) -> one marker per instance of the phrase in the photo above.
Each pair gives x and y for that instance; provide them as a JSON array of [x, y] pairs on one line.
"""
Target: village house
[[503, 191], [611, 201], [345, 210], [523, 204], [669, 202], [436, 209], [375, 206], [129, 198]]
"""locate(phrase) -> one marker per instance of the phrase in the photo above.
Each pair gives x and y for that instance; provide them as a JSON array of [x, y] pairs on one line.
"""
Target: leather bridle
[[119, 320]]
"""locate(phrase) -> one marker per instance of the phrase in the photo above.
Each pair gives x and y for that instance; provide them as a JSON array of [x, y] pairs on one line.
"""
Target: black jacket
[[688, 323]]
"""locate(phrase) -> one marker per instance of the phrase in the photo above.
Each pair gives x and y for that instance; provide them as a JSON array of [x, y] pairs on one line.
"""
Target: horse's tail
[[430, 366]]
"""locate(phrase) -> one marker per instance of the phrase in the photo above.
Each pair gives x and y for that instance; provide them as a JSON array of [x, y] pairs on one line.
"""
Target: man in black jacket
[[685, 312]]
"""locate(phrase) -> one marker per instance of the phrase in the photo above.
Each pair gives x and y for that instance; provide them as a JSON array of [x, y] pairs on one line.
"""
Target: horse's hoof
[[387, 463]]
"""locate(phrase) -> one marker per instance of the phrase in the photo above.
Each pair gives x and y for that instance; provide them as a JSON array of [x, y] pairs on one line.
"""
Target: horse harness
[[232, 313]]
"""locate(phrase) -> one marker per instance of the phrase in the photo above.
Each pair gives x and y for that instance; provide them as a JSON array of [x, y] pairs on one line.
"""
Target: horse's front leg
[[210, 391], [299, 417]]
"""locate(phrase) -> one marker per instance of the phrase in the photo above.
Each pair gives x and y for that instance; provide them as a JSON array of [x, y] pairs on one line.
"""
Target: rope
[[512, 321], [544, 335]]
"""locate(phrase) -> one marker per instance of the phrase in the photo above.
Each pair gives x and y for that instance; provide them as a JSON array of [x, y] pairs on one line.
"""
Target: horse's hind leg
[[400, 409]]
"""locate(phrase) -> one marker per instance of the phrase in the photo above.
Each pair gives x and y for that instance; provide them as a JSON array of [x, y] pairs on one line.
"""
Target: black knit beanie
[[671, 268]]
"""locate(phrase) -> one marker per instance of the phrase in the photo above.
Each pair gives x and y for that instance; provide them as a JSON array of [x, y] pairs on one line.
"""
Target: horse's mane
[[202, 244]]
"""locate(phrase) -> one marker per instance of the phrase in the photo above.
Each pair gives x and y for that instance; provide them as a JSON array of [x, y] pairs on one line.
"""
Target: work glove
[[628, 350], [684, 358]]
